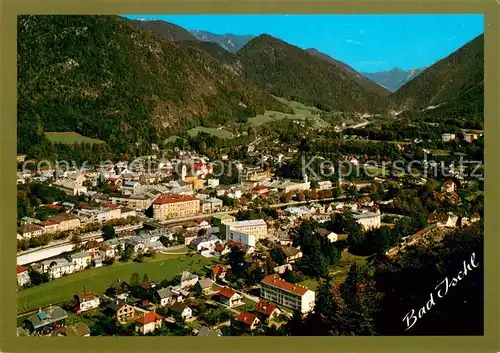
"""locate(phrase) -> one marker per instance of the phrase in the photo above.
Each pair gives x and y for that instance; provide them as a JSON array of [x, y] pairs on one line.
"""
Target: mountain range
[[129, 82], [393, 79], [231, 42]]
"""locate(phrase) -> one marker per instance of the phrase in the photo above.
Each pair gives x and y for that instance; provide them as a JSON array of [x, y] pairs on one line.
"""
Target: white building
[[241, 237], [448, 137], [256, 227], [81, 260], [324, 185], [88, 301], [293, 296], [368, 220], [58, 267]]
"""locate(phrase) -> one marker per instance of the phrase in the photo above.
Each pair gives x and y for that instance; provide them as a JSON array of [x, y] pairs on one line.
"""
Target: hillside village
[[246, 194]]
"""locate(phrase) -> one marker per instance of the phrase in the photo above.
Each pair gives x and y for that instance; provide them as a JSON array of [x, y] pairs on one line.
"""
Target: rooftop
[[148, 318], [276, 282], [173, 198], [248, 223]]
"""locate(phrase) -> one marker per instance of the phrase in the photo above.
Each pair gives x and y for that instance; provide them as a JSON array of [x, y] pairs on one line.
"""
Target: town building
[[293, 296], [81, 260], [48, 227], [30, 230], [470, 137], [221, 219], [73, 185], [66, 222], [447, 137], [368, 220], [175, 206], [241, 237], [448, 187], [211, 205], [255, 227]]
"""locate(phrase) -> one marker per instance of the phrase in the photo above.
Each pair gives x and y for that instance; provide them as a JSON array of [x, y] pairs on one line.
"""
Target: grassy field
[[302, 112], [97, 280], [220, 133], [69, 137]]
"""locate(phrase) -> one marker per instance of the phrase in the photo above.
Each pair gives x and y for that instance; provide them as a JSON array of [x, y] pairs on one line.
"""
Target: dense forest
[[290, 72], [105, 78]]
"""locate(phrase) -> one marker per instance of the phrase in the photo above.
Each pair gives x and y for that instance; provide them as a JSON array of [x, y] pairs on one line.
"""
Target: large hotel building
[[175, 206], [293, 296]]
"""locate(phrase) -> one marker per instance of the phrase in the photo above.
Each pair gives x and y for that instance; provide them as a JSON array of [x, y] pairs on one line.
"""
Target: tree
[[108, 232], [278, 256], [135, 279], [236, 260]]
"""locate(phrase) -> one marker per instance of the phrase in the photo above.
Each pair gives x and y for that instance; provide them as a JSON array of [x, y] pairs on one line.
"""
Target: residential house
[[86, 301], [121, 311], [205, 242], [291, 254], [186, 280], [30, 230], [218, 271], [81, 260], [57, 268], [331, 236], [181, 310], [293, 296], [148, 322], [267, 311], [118, 288], [44, 322], [247, 321], [23, 278], [229, 297], [204, 286], [170, 295]]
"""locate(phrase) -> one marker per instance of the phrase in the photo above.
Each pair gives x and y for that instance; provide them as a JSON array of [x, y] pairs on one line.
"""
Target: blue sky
[[368, 43]]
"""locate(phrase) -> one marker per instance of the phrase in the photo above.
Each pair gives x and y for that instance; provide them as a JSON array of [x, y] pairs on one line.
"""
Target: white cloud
[[353, 41]]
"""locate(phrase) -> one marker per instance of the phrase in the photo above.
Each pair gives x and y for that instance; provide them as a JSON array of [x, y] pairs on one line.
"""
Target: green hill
[[105, 78], [288, 71], [455, 81]]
